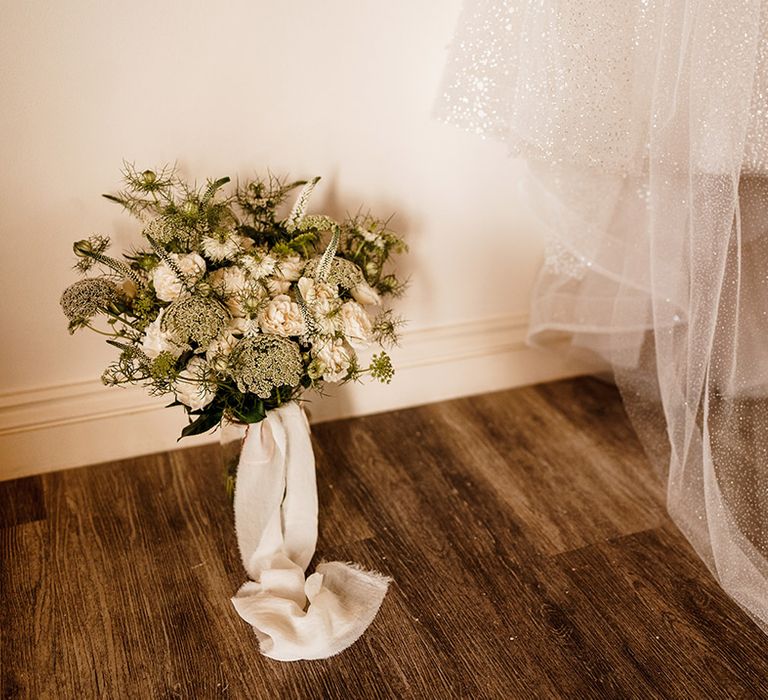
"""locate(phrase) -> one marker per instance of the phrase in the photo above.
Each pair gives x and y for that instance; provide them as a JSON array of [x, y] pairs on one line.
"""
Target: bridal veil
[[645, 127]]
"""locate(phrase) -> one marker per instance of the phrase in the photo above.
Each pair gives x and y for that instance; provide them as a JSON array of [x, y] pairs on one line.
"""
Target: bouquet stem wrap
[[276, 521]]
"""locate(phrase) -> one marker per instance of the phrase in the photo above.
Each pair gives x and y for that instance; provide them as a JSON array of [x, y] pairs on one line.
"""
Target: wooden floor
[[525, 532]]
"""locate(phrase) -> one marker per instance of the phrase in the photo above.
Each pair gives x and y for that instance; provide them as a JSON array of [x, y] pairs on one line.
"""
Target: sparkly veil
[[645, 127]]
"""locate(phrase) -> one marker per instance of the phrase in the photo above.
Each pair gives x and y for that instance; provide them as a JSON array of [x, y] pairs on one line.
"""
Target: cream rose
[[230, 280], [314, 292], [277, 286], [365, 294], [167, 284], [289, 268], [190, 388], [282, 316], [356, 324], [156, 340], [335, 359]]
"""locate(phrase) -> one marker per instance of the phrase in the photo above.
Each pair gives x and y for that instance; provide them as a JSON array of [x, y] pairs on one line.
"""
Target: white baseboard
[[68, 425]]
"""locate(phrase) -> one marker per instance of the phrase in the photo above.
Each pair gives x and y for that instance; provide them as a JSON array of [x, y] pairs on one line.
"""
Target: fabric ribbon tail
[[276, 522]]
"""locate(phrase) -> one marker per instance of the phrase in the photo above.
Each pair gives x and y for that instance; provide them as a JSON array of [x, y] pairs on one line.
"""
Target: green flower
[[85, 298], [343, 273], [197, 319], [260, 363]]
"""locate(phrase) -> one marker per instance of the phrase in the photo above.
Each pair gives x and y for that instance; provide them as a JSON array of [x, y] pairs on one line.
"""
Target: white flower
[[191, 388], [372, 237], [314, 292], [156, 340], [323, 301], [334, 358], [218, 250], [244, 325], [365, 294], [259, 264], [289, 268], [167, 285], [282, 317], [229, 280], [277, 286], [216, 353], [356, 324]]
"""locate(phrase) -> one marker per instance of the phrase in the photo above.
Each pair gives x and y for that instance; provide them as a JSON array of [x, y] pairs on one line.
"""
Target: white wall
[[340, 89]]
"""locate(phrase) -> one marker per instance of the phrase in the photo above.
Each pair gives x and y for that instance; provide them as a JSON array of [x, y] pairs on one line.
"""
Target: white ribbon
[[276, 521]]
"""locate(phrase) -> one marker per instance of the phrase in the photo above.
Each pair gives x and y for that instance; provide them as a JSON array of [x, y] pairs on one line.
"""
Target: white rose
[[356, 324], [289, 268], [232, 280], [335, 359], [190, 388], [365, 294], [277, 286], [282, 317], [167, 285], [156, 340], [314, 292], [323, 302]]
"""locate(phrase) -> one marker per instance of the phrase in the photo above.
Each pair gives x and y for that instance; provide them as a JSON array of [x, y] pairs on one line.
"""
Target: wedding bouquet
[[230, 308], [236, 312]]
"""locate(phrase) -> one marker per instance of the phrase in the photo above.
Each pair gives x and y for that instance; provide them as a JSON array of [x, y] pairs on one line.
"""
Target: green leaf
[[112, 198], [206, 422], [250, 414]]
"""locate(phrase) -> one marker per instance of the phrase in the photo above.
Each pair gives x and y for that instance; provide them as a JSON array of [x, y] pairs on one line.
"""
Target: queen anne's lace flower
[[261, 362], [343, 273], [85, 298], [195, 319]]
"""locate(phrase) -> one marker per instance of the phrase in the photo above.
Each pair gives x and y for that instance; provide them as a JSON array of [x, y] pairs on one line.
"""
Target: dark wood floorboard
[[525, 532]]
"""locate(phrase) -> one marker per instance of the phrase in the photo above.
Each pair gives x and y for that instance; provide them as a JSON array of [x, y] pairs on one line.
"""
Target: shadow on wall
[[329, 200]]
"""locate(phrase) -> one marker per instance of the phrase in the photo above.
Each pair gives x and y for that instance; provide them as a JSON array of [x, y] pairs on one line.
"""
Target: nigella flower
[[85, 298], [259, 363], [220, 247], [259, 263], [193, 318]]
